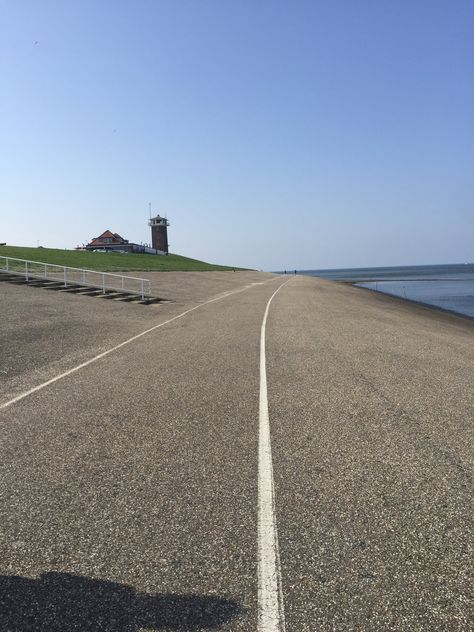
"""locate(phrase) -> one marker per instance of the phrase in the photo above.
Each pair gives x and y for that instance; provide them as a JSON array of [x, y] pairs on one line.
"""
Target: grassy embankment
[[108, 261]]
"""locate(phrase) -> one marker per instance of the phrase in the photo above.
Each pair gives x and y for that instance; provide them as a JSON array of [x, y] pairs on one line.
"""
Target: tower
[[159, 233]]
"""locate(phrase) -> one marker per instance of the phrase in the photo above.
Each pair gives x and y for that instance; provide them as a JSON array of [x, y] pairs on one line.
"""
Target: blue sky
[[272, 134]]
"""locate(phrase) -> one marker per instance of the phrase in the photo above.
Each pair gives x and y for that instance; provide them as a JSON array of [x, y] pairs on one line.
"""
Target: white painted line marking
[[122, 344], [271, 616]]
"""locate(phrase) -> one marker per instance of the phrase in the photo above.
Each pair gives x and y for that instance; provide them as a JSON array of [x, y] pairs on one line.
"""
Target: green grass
[[109, 261]]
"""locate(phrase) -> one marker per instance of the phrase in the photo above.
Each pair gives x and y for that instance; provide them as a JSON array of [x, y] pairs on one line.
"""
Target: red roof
[[107, 238]]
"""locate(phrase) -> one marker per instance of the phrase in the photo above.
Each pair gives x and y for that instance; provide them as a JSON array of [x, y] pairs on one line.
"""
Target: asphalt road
[[129, 488]]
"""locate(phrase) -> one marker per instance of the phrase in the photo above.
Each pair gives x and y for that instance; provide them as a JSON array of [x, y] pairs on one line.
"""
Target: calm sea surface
[[446, 286]]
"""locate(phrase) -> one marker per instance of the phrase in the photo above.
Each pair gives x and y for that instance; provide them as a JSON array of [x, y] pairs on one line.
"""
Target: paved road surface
[[129, 488]]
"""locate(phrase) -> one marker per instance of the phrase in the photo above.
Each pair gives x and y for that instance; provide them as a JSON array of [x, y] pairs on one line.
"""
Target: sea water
[[448, 287]]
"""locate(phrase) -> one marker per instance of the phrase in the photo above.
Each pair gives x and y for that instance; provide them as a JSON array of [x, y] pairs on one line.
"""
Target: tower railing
[[70, 277]]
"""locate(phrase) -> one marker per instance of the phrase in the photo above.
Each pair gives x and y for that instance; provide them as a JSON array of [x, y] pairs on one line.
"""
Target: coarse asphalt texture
[[128, 489]]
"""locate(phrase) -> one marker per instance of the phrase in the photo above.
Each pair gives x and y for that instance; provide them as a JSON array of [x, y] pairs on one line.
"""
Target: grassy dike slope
[[109, 261]]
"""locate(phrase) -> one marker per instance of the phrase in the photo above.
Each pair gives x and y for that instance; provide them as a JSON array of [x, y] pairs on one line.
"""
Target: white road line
[[122, 344], [271, 616]]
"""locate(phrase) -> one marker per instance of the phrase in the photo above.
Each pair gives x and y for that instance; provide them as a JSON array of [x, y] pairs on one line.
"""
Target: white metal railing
[[75, 276]]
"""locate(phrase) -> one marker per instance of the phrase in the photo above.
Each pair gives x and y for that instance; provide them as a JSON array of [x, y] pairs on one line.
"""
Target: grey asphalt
[[128, 489]]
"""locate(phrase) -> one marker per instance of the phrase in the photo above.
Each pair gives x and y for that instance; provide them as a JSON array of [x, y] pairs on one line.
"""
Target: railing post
[[26, 271], [103, 283], [45, 271], [7, 263], [143, 291], [65, 277]]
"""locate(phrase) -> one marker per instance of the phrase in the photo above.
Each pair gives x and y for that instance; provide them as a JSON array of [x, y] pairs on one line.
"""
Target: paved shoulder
[[370, 406]]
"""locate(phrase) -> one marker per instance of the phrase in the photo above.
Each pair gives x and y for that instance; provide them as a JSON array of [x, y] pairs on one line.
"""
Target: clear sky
[[272, 134]]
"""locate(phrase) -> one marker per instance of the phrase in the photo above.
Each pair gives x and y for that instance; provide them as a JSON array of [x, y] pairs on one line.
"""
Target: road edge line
[[271, 615]]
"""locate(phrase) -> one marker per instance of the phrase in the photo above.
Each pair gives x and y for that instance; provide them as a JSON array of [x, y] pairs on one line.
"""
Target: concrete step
[[50, 284], [89, 292], [77, 290], [13, 279], [53, 285], [116, 295]]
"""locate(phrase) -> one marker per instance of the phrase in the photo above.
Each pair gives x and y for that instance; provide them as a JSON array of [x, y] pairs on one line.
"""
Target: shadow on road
[[58, 602]]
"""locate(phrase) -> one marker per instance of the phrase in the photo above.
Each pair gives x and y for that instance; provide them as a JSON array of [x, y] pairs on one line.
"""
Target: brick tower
[[159, 233]]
